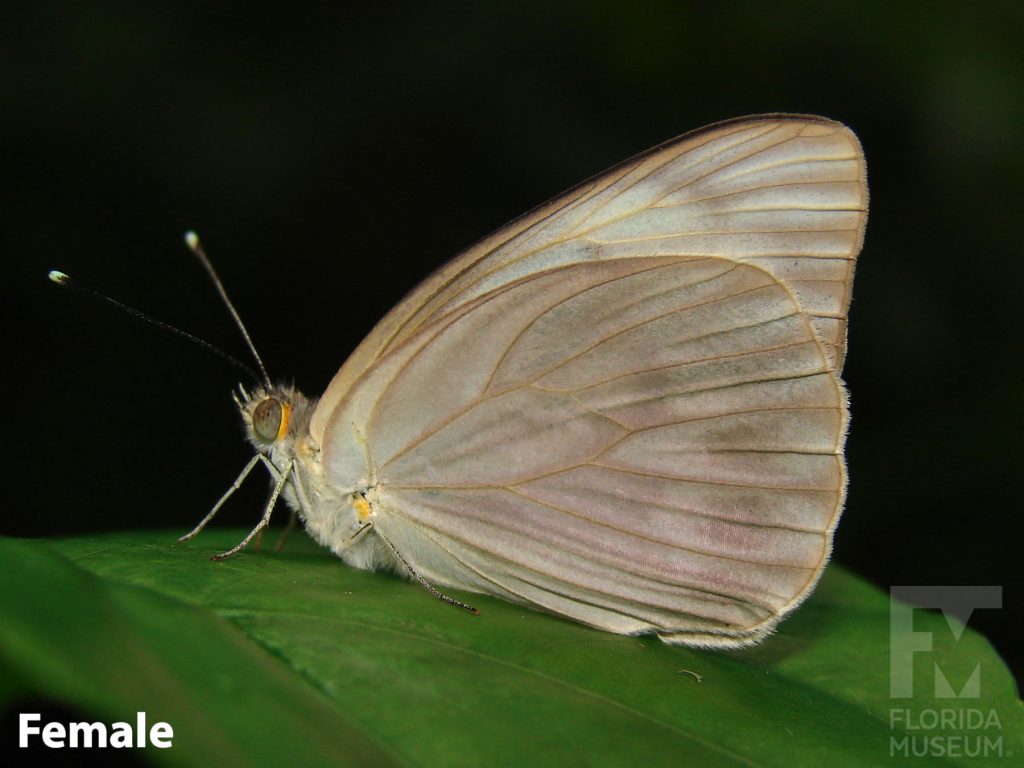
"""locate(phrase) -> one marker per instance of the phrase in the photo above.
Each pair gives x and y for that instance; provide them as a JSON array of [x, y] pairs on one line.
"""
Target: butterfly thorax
[[277, 423]]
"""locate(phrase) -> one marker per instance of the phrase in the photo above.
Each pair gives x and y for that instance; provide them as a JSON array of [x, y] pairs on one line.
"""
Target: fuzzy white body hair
[[326, 511]]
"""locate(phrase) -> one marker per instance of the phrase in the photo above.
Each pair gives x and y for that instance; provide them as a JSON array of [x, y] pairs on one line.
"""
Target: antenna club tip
[[191, 240], [59, 277]]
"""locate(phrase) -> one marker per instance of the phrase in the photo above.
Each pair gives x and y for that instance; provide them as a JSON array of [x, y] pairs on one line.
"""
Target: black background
[[330, 161]]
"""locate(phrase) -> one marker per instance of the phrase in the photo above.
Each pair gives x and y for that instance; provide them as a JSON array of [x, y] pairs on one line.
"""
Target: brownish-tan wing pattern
[[625, 407], [640, 444]]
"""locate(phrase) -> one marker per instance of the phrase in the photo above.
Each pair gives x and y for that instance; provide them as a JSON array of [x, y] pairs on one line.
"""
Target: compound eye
[[266, 420]]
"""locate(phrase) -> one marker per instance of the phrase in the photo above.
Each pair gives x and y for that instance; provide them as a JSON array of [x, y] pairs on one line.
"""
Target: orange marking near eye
[[286, 417]]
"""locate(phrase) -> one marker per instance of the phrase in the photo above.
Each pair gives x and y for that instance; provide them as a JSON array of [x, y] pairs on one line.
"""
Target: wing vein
[[652, 539], [702, 481], [434, 429], [559, 303]]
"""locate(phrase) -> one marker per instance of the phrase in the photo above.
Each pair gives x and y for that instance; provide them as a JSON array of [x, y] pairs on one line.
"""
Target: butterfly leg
[[292, 521], [423, 582], [264, 521], [293, 518], [358, 534], [216, 507]]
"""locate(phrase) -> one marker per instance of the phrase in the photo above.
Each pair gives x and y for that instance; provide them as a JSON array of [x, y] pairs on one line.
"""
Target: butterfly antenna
[[65, 281], [192, 241]]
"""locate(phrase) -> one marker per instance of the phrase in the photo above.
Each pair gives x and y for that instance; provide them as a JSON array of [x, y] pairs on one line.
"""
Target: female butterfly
[[624, 407]]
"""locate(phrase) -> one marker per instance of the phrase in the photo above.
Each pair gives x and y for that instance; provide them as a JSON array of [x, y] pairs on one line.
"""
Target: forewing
[[785, 192], [640, 444]]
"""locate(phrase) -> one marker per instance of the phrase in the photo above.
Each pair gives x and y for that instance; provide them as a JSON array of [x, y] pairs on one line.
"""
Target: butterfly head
[[274, 417]]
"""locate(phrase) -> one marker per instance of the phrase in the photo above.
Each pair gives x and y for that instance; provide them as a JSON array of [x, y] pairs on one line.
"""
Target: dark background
[[331, 161]]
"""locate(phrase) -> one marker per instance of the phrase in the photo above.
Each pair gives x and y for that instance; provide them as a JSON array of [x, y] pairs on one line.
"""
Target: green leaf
[[112, 649], [294, 658]]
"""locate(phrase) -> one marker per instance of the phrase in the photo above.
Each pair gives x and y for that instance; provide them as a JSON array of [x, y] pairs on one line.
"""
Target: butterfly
[[624, 407]]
